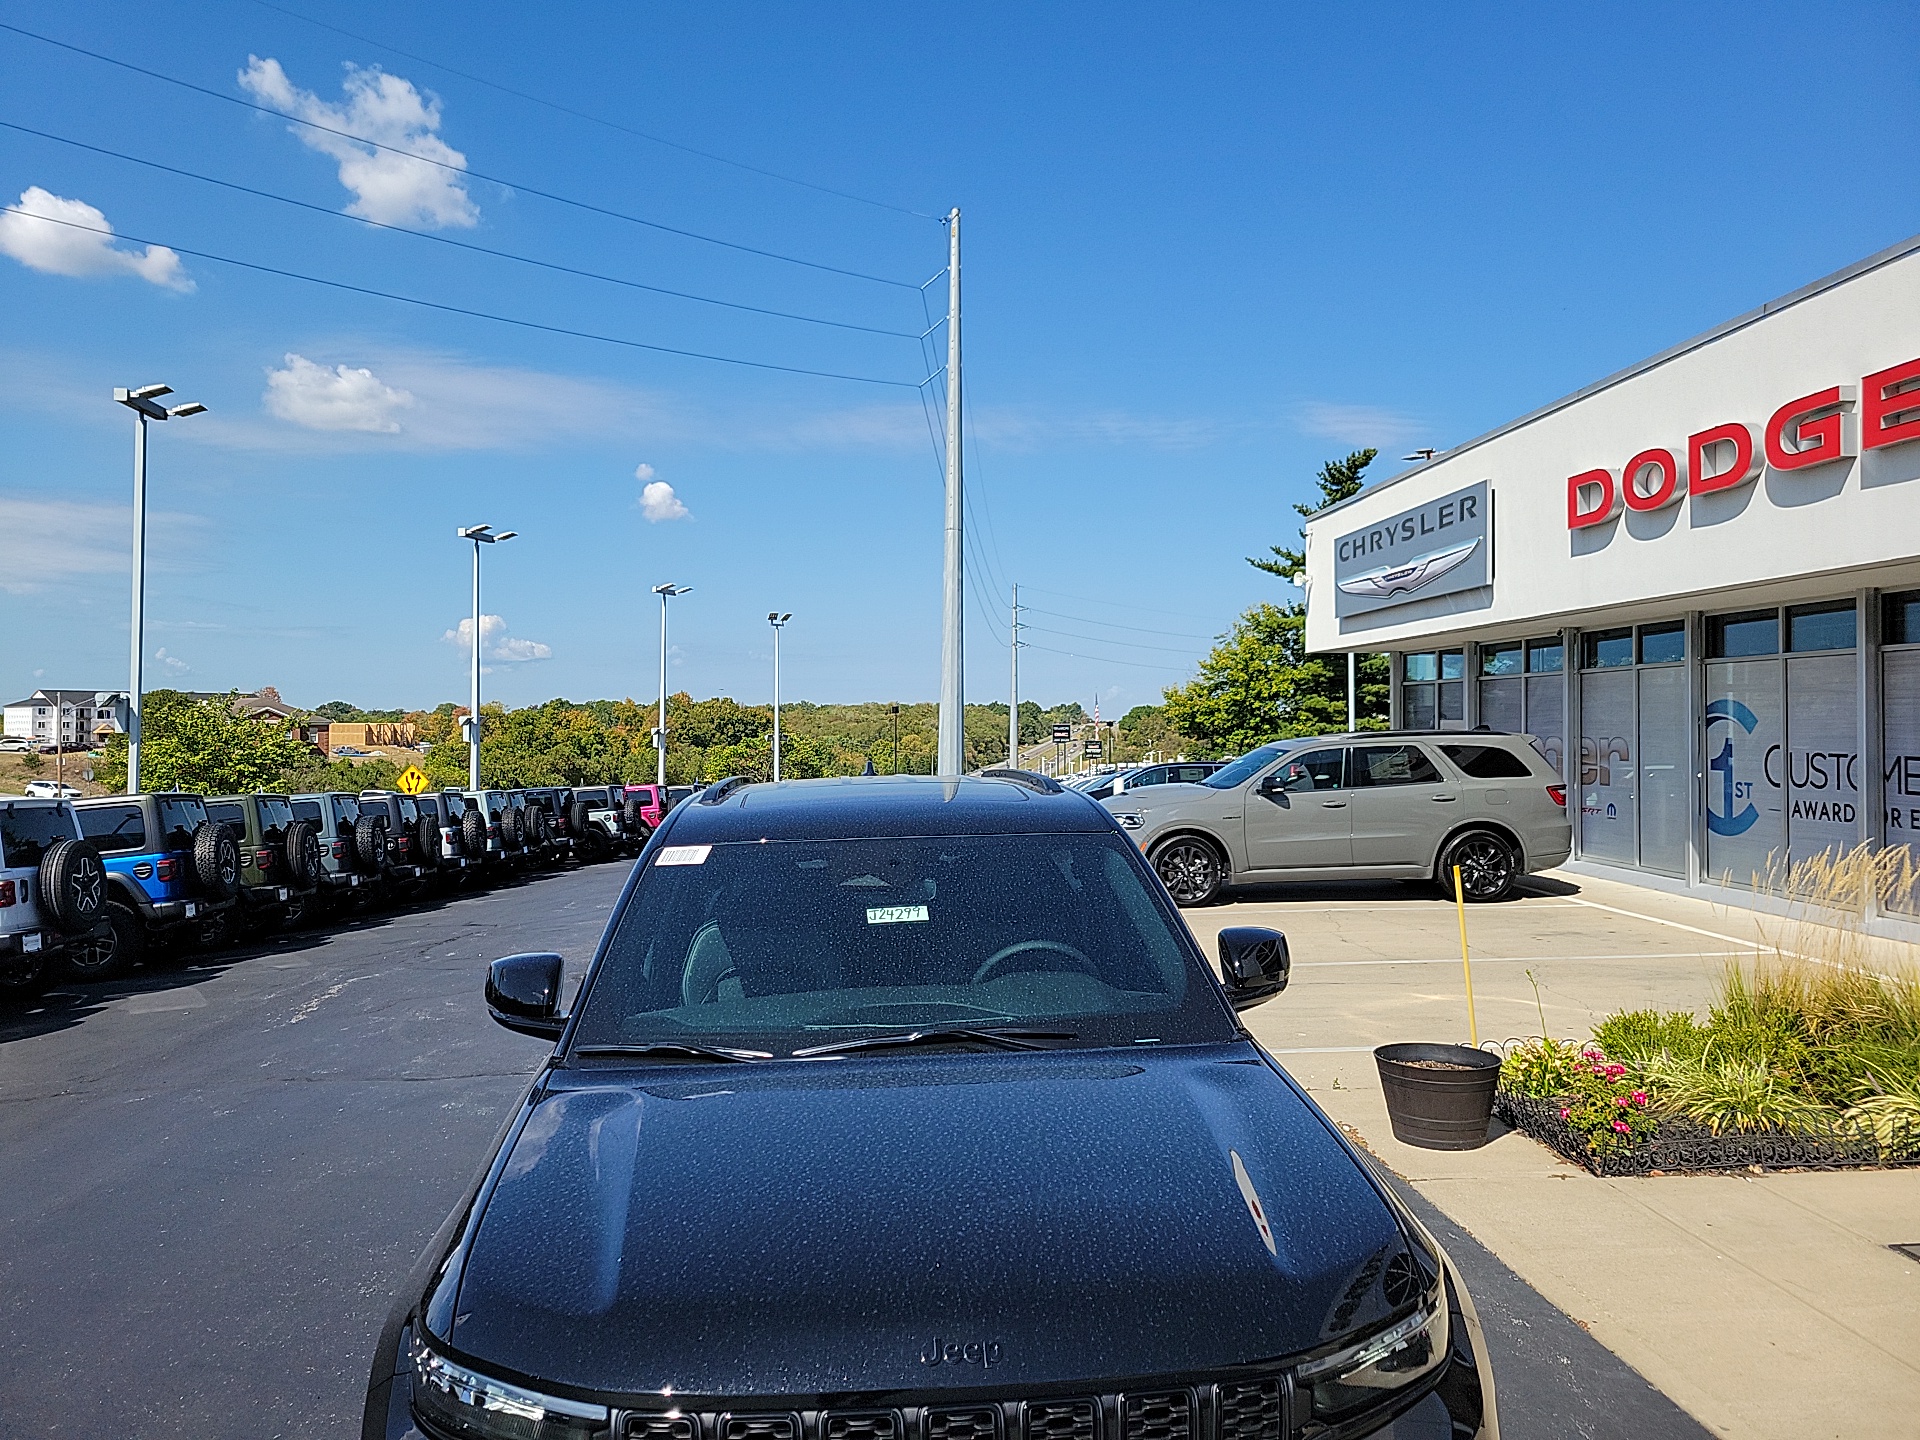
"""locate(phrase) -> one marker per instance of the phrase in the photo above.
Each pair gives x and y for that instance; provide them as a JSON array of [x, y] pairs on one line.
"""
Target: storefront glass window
[[1433, 690], [1753, 632], [1900, 728], [1545, 657], [1901, 622], [1503, 704], [1746, 814], [1500, 659], [1663, 644], [1547, 717], [1423, 667], [1606, 649], [1607, 766], [1822, 769], [1453, 664], [1663, 769], [1821, 627]]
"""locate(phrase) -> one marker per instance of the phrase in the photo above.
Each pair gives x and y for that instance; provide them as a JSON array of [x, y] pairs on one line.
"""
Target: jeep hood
[[813, 1228]]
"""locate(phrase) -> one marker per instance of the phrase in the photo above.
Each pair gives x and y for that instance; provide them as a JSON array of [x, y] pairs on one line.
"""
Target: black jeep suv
[[909, 1109]]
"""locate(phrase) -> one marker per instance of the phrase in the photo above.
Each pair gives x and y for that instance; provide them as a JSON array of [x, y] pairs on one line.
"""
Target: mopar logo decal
[[1726, 820]]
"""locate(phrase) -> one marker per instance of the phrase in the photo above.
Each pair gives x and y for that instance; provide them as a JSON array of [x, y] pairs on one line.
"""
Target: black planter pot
[[1443, 1104]]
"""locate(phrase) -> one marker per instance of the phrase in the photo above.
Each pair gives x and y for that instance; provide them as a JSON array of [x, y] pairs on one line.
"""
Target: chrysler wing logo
[[1420, 571]]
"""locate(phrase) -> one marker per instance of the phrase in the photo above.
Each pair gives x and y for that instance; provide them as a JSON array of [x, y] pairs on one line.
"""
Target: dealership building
[[1696, 583]]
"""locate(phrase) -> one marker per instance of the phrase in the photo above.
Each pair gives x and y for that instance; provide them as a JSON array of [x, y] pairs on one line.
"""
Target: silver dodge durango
[[1373, 805]]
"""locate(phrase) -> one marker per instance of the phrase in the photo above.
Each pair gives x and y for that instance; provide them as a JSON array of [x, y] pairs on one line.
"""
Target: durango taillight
[[1559, 794]]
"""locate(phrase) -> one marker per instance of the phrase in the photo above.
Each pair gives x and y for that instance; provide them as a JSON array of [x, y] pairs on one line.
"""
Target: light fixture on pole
[[1422, 455], [479, 535], [777, 620], [665, 592], [141, 402]]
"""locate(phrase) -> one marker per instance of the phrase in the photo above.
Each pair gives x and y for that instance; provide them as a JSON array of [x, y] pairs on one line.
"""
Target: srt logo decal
[[1726, 820], [984, 1353]]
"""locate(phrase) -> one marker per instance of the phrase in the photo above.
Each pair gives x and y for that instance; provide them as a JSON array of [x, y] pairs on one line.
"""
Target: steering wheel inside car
[[1022, 947]]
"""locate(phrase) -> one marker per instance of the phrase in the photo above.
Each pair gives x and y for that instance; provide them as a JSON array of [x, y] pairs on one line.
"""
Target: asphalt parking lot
[[216, 1176]]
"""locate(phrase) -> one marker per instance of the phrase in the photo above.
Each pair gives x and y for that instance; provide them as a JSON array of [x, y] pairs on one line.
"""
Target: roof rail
[[721, 789], [1042, 784]]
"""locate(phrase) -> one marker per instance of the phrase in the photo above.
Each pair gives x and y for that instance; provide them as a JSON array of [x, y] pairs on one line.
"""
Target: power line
[[1116, 604], [598, 119], [459, 309], [585, 205], [1116, 625], [1105, 660], [1104, 640], [449, 240]]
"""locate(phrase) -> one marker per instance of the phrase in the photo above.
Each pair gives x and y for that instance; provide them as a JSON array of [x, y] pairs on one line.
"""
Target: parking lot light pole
[[776, 619], [479, 535], [665, 592], [141, 402]]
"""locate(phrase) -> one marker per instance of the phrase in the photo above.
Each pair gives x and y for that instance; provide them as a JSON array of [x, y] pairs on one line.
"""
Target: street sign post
[[1062, 734], [413, 780]]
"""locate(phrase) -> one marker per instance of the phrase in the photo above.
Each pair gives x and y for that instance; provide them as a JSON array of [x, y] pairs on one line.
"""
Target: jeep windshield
[[783, 946]]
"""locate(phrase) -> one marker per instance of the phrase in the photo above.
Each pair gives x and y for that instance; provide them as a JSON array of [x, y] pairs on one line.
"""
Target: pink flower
[[1621, 1101], [1621, 1126], [1564, 1112], [1639, 1097]]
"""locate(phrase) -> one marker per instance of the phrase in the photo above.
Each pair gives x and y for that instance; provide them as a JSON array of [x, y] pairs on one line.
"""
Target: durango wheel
[[1488, 866], [1191, 871]]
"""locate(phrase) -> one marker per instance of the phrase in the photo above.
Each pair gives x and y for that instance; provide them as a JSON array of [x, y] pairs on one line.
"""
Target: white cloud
[[643, 471], [342, 398], [173, 664], [1357, 424], [87, 251], [658, 502], [392, 189], [495, 643], [46, 543]]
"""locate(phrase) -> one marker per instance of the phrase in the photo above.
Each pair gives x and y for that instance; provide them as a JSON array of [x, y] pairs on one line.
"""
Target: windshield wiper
[[1001, 1036], [681, 1049]]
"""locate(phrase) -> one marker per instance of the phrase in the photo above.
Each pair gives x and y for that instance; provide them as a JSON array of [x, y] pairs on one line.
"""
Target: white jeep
[[52, 888]]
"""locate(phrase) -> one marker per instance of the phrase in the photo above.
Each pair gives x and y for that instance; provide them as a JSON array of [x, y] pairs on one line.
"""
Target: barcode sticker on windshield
[[683, 855], [895, 914]]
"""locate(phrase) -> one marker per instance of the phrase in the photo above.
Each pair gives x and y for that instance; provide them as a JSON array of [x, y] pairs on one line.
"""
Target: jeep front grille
[[1251, 1411], [1061, 1420], [861, 1425], [662, 1427], [1167, 1415], [979, 1423]]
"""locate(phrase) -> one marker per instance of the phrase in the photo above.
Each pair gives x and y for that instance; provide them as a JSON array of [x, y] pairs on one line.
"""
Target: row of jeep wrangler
[[91, 888]]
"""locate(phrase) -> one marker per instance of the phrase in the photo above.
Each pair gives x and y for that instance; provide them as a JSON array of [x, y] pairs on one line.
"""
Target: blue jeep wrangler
[[169, 871]]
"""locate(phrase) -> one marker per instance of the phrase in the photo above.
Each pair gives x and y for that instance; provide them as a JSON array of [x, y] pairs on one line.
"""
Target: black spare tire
[[577, 814], [636, 813], [216, 860], [473, 834], [539, 833], [73, 886], [512, 829], [428, 834], [370, 843], [302, 849]]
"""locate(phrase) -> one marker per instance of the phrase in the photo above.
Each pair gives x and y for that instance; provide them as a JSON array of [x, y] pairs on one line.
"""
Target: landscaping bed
[[1683, 1146]]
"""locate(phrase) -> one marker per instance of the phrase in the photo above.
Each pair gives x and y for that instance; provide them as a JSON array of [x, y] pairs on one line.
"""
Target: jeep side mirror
[[1253, 964], [523, 994]]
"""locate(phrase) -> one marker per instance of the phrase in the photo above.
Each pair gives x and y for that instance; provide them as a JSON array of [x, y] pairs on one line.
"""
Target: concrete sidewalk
[[1765, 1305]]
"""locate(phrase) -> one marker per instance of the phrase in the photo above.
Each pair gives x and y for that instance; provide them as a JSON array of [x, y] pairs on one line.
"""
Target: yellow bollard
[[1460, 904]]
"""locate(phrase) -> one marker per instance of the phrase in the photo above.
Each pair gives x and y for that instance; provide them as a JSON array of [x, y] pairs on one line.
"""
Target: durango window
[[794, 944]]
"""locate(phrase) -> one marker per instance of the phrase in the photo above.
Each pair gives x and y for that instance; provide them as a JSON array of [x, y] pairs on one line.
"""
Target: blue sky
[[1206, 248]]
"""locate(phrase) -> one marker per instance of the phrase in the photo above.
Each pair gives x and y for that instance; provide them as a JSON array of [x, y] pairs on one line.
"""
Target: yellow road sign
[[412, 780]]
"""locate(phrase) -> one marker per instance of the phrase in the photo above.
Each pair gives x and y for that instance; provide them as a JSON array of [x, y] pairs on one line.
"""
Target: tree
[[205, 746], [1338, 480]]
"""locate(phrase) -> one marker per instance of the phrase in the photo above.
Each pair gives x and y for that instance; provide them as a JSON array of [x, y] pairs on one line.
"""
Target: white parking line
[[1529, 959]]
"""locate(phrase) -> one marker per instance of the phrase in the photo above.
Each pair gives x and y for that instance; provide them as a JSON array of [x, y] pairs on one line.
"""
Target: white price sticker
[[683, 855], [895, 914]]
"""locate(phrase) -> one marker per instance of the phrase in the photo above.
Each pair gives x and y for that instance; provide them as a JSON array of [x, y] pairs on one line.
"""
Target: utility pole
[[1353, 692], [952, 753], [1013, 687], [776, 619], [141, 403]]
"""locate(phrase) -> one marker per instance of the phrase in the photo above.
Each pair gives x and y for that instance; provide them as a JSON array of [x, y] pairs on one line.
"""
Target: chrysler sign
[[1440, 548]]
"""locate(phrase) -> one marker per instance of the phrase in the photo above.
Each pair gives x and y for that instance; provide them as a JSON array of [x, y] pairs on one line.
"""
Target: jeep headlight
[[458, 1402], [1369, 1371]]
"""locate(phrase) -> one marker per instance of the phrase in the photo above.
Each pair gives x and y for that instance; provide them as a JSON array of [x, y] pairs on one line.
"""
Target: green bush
[[1543, 1069], [1728, 1092], [1637, 1036]]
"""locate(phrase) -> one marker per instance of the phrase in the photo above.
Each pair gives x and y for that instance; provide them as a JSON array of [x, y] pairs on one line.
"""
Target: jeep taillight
[[167, 871], [337, 849], [1559, 794], [264, 859], [6, 893]]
